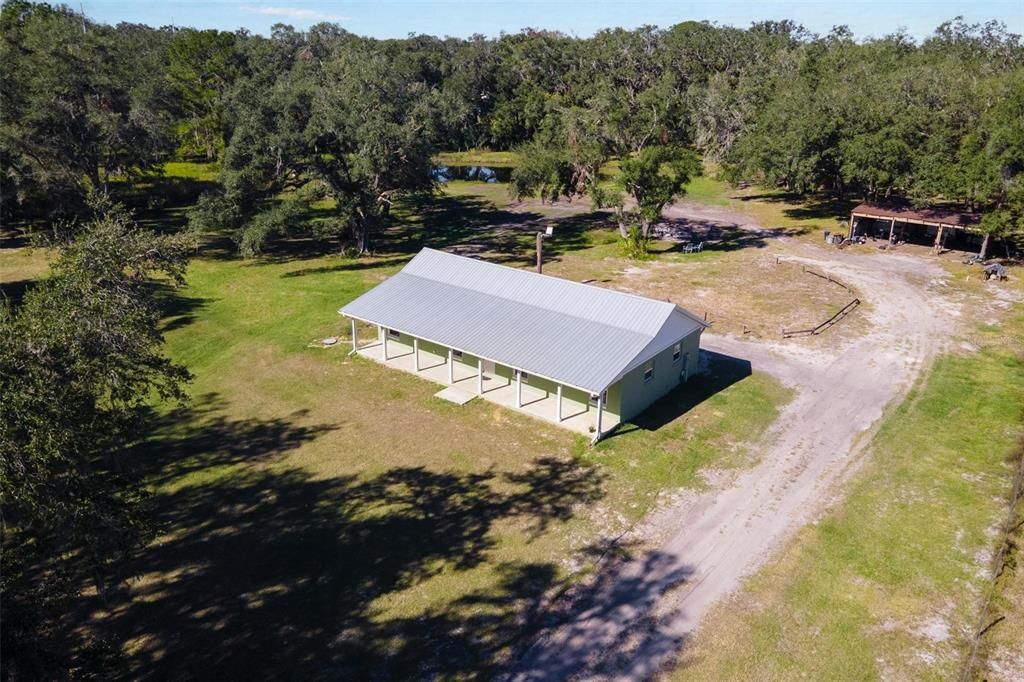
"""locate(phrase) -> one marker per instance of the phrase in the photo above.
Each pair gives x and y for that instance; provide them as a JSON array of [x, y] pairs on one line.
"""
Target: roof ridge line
[[553, 277], [535, 306]]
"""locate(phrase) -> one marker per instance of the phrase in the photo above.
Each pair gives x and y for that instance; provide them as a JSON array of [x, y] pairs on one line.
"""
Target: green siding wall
[[635, 394], [432, 353], [399, 346], [627, 398], [573, 399]]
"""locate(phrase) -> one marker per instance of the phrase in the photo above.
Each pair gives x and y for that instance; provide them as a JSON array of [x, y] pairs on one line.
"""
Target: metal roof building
[[552, 331]]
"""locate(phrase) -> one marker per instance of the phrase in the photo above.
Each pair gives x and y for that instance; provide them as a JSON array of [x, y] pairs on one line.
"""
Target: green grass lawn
[[887, 585], [705, 189], [431, 530], [22, 265], [478, 157], [191, 170], [323, 516]]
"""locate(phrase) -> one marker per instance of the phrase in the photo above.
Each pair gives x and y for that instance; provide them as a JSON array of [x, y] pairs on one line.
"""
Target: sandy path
[[634, 619]]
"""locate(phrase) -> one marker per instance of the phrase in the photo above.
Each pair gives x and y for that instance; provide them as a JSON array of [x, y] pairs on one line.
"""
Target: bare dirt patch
[[756, 294]]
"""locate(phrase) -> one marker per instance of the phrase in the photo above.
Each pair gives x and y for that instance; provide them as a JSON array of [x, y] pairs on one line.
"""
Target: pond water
[[472, 173]]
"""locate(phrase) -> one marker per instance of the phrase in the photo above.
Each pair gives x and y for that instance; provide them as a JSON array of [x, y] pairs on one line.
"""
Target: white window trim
[[457, 354], [649, 373], [524, 377], [677, 353], [394, 334]]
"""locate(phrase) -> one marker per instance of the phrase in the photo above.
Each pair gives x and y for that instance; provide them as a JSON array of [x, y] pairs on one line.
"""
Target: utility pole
[[550, 230]]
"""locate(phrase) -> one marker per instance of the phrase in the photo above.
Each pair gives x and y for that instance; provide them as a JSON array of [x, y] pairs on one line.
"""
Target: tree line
[[306, 115]]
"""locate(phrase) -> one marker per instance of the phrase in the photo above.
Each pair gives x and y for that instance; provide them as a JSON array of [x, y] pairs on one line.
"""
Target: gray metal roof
[[576, 334]]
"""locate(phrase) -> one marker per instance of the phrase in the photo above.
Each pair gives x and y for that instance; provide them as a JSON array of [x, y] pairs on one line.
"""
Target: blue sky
[[398, 18]]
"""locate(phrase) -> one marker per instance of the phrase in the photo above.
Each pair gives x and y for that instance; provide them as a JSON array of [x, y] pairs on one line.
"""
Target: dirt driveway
[[632, 621]]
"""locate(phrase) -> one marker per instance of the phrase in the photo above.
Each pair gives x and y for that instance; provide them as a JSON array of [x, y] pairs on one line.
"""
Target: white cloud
[[293, 13]]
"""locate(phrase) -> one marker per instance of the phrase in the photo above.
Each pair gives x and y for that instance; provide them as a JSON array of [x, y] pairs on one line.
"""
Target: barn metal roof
[[576, 334]]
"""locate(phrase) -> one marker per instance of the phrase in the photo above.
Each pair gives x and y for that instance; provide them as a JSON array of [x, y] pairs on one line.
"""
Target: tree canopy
[[323, 113], [80, 362]]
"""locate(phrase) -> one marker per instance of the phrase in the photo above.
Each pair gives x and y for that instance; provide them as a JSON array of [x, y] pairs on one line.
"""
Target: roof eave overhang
[[595, 391], [911, 221], [633, 365]]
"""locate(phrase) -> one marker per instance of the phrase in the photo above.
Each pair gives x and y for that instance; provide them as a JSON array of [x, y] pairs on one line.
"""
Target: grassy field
[[887, 585], [191, 170], [705, 189], [478, 157], [22, 265], [323, 516]]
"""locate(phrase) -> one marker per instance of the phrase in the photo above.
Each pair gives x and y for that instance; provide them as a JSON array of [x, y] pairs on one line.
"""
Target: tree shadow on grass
[[349, 265], [473, 226], [266, 570], [161, 202], [718, 372], [716, 235], [469, 226], [200, 438], [815, 206], [176, 309], [295, 247], [598, 631], [14, 292], [15, 236]]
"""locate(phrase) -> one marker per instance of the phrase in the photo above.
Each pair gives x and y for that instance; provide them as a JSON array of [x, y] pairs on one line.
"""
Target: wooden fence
[[1003, 559], [843, 312]]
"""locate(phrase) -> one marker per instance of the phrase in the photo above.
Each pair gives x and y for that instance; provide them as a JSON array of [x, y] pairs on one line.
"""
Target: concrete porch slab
[[496, 389], [456, 395]]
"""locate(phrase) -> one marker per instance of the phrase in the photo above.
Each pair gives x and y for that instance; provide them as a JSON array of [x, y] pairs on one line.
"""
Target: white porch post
[[600, 409], [355, 342], [519, 388], [451, 368], [479, 376], [558, 402], [384, 336], [416, 353]]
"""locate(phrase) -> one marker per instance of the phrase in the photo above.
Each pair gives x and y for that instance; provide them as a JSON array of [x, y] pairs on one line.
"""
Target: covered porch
[[563, 406]]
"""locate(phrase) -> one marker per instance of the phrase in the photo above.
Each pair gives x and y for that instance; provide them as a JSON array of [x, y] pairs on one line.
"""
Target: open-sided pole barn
[[939, 227]]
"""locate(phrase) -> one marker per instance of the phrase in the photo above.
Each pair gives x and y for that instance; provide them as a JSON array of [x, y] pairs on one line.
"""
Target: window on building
[[676, 352], [593, 398], [648, 370], [525, 377], [457, 354], [393, 333]]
